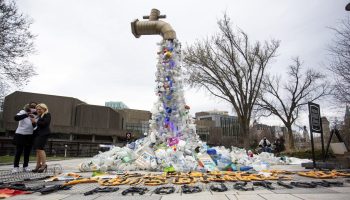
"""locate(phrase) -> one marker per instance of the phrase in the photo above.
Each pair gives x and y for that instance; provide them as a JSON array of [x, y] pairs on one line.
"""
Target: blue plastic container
[[211, 151], [245, 168]]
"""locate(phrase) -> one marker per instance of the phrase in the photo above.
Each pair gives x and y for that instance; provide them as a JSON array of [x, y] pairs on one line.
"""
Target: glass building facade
[[117, 105]]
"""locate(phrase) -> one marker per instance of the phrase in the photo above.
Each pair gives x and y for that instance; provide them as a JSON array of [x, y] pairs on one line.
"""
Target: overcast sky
[[85, 48]]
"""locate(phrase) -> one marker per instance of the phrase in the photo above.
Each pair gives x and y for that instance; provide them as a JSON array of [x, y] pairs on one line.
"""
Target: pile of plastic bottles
[[163, 158]]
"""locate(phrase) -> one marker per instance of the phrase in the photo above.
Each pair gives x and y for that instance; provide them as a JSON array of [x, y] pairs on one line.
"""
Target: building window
[[202, 131], [229, 126], [137, 127], [102, 138], [206, 118], [82, 137]]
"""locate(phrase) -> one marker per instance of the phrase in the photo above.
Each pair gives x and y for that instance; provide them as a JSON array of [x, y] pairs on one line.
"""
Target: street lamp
[[65, 150]]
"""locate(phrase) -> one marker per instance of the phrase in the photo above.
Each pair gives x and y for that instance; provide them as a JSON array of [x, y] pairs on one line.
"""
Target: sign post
[[315, 124]]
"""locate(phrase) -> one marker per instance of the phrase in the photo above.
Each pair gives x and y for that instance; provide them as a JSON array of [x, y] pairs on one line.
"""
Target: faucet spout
[[153, 27]]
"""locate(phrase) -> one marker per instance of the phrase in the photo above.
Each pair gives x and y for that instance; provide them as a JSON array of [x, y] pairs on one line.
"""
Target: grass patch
[[9, 159]]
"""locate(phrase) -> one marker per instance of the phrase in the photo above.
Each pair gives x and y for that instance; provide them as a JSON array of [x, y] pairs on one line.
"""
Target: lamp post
[[65, 150]]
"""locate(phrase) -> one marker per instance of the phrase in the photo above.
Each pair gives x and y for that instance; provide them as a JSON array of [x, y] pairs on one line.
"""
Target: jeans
[[266, 149], [19, 150]]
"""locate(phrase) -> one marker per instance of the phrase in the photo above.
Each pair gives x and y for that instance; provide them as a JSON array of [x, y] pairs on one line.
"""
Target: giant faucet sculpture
[[171, 141], [171, 124], [153, 27]]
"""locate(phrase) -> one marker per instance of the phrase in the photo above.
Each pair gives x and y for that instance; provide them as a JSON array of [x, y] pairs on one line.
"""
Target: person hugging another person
[[265, 145], [41, 135], [23, 137]]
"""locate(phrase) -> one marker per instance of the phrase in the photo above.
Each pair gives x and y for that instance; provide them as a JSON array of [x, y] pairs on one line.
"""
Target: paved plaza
[[280, 193]]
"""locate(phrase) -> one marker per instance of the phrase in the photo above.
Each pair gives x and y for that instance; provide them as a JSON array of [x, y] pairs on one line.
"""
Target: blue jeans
[[266, 149]]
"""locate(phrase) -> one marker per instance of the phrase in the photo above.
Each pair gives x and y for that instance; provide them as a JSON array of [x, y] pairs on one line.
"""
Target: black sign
[[315, 117]]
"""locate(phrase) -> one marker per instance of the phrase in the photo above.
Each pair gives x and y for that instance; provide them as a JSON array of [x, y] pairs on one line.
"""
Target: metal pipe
[[153, 27]]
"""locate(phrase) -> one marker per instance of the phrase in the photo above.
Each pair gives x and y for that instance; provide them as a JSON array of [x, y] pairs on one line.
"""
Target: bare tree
[[3, 90], [286, 99], [16, 43], [230, 68], [340, 61]]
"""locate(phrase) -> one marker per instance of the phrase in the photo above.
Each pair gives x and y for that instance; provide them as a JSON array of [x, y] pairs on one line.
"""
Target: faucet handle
[[158, 17]]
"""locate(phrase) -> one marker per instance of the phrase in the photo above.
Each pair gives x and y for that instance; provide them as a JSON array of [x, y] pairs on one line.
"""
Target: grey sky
[[86, 49]]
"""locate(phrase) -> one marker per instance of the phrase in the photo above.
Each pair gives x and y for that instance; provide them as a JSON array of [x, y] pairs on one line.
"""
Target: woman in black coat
[[41, 134]]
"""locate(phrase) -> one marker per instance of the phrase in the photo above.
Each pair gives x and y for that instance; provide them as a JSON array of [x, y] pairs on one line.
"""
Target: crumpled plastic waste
[[296, 161], [162, 158]]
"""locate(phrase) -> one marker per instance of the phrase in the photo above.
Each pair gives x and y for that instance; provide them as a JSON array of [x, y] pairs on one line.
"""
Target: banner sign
[[315, 117]]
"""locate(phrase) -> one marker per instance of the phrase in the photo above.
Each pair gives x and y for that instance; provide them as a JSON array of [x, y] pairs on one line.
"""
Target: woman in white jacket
[[265, 145], [23, 138]]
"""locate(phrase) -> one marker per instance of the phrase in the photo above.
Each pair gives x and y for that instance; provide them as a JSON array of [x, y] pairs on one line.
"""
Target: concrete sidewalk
[[69, 165], [76, 192]]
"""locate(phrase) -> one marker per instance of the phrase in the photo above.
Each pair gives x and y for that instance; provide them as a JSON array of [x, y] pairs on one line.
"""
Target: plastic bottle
[[245, 168]]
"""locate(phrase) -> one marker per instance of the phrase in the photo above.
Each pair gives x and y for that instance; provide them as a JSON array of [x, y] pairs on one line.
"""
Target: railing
[[58, 148]]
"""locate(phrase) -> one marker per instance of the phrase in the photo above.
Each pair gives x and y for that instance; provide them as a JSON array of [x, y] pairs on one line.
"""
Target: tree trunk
[[290, 138], [244, 133]]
